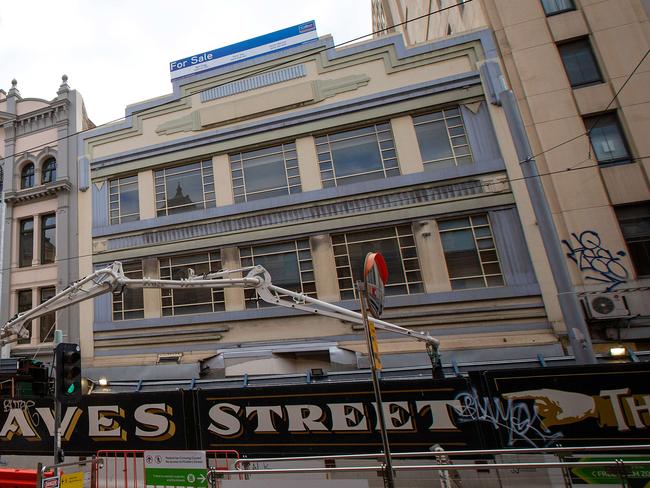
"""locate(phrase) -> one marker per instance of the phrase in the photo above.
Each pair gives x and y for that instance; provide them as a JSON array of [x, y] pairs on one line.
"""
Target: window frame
[[289, 156], [25, 251], [300, 248], [48, 172], [27, 178], [406, 245], [586, 41], [477, 249], [206, 173], [44, 228], [217, 301], [642, 269], [591, 122], [118, 300], [559, 11], [115, 192], [419, 120], [24, 308], [389, 164]]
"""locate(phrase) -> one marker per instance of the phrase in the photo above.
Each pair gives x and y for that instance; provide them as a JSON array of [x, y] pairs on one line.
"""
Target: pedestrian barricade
[[160, 468], [73, 474]]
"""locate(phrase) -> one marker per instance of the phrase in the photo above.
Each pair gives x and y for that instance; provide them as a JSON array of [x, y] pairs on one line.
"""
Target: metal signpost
[[371, 295]]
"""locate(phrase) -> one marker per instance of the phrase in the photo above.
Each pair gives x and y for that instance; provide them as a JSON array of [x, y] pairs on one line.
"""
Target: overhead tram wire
[[248, 75]]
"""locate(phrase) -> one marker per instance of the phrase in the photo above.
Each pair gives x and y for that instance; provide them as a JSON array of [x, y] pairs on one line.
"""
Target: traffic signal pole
[[58, 458]]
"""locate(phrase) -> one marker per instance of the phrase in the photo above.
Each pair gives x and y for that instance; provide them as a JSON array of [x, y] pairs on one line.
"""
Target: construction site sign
[[175, 468]]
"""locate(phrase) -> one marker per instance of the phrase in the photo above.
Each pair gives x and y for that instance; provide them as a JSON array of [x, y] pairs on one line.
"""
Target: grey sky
[[117, 52]]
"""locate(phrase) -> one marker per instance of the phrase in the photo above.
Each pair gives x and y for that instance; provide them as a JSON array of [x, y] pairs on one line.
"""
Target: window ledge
[[38, 192]]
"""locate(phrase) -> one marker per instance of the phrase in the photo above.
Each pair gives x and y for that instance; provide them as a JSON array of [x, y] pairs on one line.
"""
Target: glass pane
[[283, 268], [433, 141], [607, 138], [184, 192], [460, 254], [265, 172], [579, 62], [467, 283], [355, 156]]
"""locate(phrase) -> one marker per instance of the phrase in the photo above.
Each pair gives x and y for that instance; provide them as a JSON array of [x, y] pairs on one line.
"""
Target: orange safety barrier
[[126, 468]]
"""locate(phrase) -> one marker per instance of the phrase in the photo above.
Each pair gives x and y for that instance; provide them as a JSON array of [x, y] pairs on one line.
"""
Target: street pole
[[389, 481], [58, 338], [577, 330]]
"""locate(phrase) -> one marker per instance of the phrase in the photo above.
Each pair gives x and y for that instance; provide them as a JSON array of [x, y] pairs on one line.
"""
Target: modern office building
[[302, 161], [40, 236], [580, 70]]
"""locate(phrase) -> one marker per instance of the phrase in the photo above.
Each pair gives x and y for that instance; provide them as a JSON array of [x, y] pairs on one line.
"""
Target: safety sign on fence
[[175, 468]]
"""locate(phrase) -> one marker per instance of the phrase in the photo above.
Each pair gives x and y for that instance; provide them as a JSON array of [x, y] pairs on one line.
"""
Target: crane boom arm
[[112, 279]]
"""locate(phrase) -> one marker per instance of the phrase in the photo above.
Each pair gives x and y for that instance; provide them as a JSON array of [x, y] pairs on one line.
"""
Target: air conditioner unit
[[606, 306]]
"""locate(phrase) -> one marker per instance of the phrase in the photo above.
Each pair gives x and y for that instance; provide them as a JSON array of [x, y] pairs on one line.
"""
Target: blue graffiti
[[592, 257]]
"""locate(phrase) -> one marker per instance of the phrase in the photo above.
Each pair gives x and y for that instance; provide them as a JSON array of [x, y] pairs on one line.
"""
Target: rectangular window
[[25, 304], [46, 328], [123, 200], [470, 252], [288, 263], [552, 7], [579, 62], [357, 155], [397, 246], [265, 173], [635, 226], [607, 138], [129, 304], [26, 244], [191, 300], [184, 188], [442, 139], [48, 238]]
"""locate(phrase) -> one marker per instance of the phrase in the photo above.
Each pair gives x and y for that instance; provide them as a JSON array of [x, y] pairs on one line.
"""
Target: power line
[[248, 75]]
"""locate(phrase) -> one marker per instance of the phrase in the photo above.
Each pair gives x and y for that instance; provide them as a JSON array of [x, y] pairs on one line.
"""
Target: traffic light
[[68, 371]]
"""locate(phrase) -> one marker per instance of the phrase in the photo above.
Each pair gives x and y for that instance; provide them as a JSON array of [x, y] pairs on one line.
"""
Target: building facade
[[40, 236], [302, 161], [580, 71]]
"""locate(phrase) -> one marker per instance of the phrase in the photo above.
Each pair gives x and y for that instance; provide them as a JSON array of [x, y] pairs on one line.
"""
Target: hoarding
[[240, 51]]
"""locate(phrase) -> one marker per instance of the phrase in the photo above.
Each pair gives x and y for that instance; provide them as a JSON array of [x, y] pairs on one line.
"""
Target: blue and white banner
[[268, 43]]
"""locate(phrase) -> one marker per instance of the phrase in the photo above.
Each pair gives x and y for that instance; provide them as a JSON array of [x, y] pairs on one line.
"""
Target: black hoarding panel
[[110, 421], [586, 405], [335, 418]]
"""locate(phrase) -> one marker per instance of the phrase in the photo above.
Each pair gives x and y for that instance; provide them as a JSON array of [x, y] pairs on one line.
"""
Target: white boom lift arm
[[112, 279]]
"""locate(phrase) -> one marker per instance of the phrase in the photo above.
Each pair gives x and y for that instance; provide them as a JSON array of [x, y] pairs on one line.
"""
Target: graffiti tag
[[591, 257]]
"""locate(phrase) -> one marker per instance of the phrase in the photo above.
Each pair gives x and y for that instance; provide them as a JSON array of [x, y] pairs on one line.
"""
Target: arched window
[[49, 171], [27, 176]]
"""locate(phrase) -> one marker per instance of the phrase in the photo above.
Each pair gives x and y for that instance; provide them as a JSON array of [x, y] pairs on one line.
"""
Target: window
[[357, 155], [470, 253], [607, 139], [635, 226], [47, 321], [49, 171], [27, 176], [26, 243], [289, 264], [552, 7], [442, 139], [265, 173], [48, 238], [25, 304], [129, 304], [184, 188], [397, 246], [123, 200], [191, 300], [579, 62]]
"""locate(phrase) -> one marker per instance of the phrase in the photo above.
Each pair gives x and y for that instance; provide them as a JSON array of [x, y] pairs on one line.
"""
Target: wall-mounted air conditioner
[[606, 306]]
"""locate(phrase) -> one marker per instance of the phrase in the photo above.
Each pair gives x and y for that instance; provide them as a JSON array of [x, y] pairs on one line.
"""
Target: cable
[[248, 75]]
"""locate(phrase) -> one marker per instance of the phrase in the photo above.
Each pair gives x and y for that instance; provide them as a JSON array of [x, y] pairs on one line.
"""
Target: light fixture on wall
[[102, 381], [617, 351]]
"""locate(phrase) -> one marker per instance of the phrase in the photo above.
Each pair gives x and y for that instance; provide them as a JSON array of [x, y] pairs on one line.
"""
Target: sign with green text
[[175, 468]]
